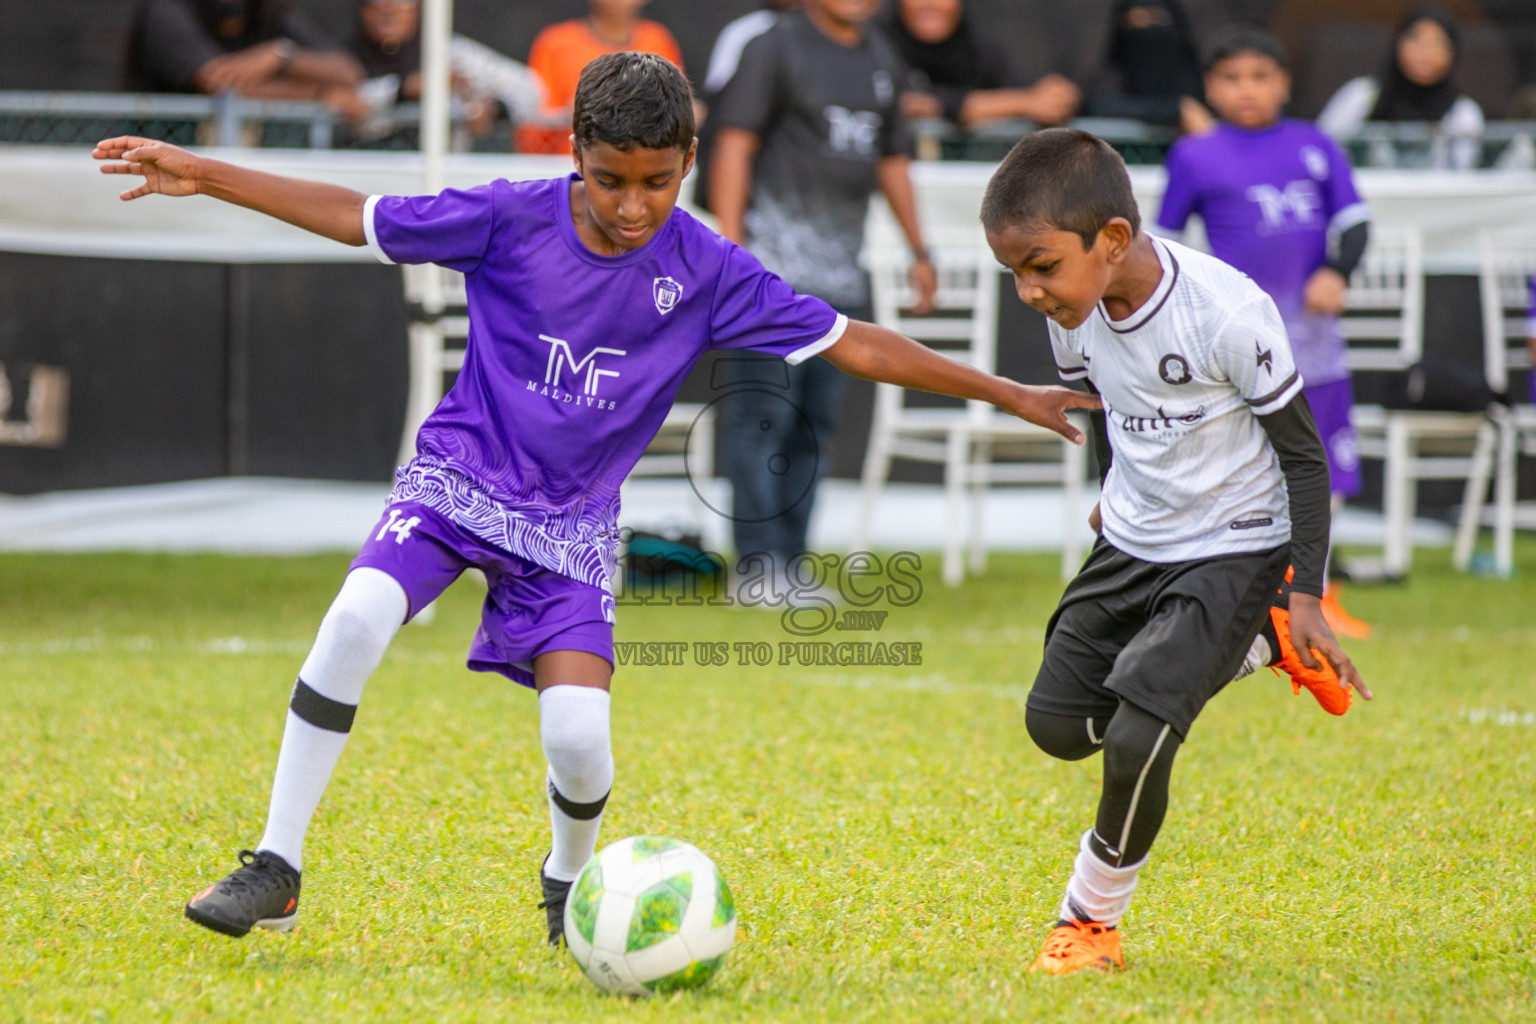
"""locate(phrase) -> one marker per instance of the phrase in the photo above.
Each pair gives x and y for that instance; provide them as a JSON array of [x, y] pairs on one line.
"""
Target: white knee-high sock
[[1097, 891], [573, 724], [353, 636]]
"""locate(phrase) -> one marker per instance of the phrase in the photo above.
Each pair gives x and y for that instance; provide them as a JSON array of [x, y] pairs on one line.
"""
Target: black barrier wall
[[178, 371]]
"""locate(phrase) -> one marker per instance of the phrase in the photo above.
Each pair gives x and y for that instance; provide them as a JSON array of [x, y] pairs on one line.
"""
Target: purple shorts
[[1330, 404], [528, 609]]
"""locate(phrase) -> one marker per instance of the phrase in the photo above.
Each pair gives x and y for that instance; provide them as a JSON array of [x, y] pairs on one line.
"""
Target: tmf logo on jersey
[[1295, 206], [852, 131], [560, 356]]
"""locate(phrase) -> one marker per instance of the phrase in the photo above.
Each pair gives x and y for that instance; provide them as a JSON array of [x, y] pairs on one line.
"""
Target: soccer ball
[[649, 914]]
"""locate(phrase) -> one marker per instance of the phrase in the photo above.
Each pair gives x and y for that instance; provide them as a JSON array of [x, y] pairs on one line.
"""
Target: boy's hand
[[1194, 117], [925, 281], [1047, 407], [1056, 99], [243, 69], [348, 103], [1096, 520], [1311, 634], [918, 106], [167, 169], [1324, 292]]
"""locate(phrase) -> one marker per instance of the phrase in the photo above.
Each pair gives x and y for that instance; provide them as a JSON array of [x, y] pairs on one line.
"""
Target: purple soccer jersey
[[573, 359], [1269, 199], [1530, 332]]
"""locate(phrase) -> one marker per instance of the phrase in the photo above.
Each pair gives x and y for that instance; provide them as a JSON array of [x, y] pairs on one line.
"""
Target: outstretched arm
[[328, 210], [875, 353]]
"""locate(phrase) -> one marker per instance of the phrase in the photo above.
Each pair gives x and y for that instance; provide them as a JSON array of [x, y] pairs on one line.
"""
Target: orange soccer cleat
[[1080, 945], [1322, 682], [1340, 621]]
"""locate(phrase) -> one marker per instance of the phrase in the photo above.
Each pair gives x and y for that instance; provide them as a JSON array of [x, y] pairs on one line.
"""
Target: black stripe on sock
[[571, 809], [320, 711]]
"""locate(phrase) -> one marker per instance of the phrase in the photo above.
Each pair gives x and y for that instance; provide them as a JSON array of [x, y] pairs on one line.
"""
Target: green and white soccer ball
[[649, 914]]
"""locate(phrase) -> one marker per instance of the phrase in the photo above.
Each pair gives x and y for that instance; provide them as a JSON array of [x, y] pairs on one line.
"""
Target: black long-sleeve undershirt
[[1349, 248], [1102, 453], [1304, 462]]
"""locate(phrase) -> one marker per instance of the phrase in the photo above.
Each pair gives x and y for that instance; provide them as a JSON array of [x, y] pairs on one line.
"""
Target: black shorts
[[1164, 636]]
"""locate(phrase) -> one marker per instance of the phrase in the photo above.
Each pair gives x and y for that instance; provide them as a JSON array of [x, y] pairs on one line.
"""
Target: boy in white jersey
[[1216, 482], [1278, 201]]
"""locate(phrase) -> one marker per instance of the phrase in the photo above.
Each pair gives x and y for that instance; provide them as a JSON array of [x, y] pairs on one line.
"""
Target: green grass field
[[895, 843]]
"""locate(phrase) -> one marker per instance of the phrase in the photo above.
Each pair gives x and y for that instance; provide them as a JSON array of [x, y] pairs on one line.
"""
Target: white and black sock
[[573, 725], [1098, 892], [352, 639]]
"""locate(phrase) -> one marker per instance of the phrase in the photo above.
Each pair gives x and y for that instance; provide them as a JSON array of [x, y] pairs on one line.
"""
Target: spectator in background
[[807, 129], [260, 48], [1418, 85], [723, 60], [732, 39], [388, 45], [965, 76], [1151, 72], [563, 49]]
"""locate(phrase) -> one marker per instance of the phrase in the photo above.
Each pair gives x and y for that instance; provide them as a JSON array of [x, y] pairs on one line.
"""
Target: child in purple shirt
[[590, 298], [1531, 344], [1279, 203]]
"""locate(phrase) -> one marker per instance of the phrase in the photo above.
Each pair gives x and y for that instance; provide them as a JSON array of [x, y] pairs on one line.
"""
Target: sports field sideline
[[895, 842]]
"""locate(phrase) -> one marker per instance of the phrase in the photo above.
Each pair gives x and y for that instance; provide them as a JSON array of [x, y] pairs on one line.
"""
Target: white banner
[[56, 201]]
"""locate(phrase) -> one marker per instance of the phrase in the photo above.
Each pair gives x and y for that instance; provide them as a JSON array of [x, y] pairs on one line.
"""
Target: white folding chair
[[977, 445], [1385, 331], [1507, 264]]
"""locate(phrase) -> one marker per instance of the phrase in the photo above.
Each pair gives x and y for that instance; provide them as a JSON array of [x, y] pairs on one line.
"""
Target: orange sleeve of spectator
[[557, 57], [559, 54]]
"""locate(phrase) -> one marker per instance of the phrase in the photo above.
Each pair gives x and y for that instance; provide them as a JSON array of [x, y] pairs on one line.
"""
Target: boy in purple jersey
[[1279, 203], [590, 299]]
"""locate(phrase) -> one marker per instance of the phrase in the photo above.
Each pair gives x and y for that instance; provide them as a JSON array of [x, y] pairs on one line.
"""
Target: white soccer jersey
[[1184, 380]]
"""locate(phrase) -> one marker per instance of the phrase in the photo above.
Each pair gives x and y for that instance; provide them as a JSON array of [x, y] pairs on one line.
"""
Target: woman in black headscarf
[[262, 48], [1418, 85], [960, 74], [388, 42], [1152, 72]]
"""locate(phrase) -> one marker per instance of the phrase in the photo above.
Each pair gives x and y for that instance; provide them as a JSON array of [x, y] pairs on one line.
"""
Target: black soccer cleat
[[263, 892], [555, 892]]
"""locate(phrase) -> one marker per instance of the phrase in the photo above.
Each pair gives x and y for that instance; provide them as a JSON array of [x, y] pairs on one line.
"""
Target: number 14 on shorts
[[401, 528]]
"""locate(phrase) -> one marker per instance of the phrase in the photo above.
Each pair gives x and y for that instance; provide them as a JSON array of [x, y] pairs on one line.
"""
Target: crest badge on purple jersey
[[666, 292]]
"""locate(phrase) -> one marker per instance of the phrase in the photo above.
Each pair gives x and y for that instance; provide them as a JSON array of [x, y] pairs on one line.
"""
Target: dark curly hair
[[633, 99]]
